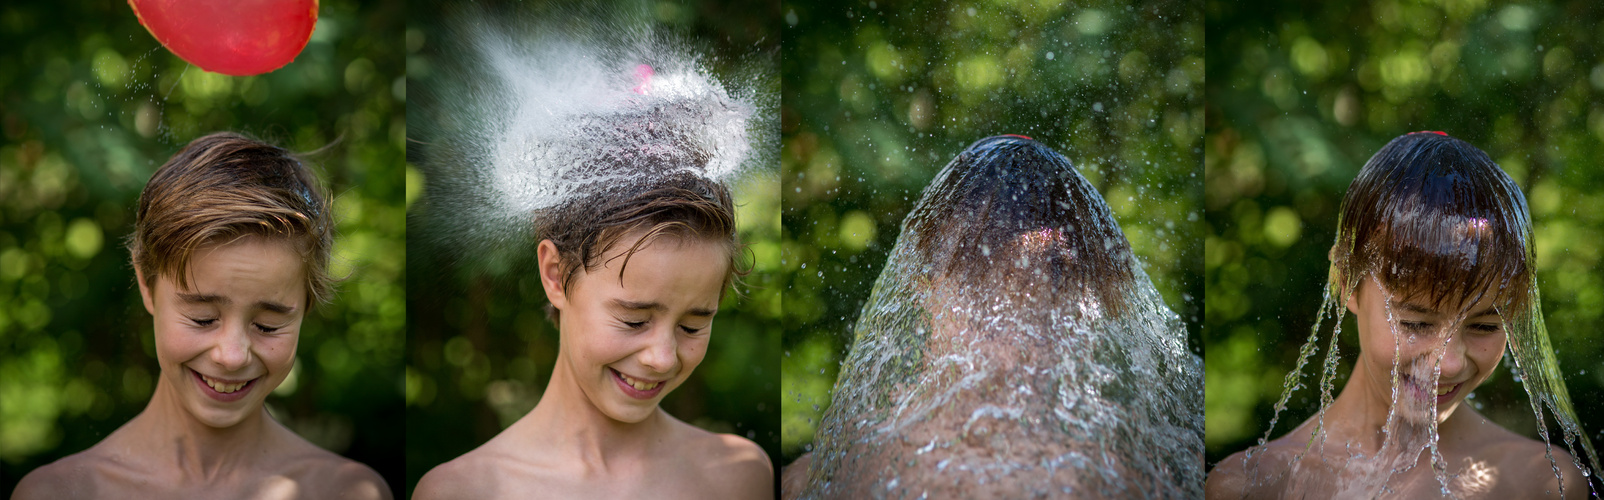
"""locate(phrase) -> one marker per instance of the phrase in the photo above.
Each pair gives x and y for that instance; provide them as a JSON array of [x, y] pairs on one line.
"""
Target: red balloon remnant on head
[[1019, 136], [643, 76], [233, 37], [1430, 132]]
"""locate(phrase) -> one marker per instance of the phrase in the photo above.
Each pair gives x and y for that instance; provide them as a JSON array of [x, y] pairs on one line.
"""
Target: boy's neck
[[570, 423], [1358, 415], [167, 431]]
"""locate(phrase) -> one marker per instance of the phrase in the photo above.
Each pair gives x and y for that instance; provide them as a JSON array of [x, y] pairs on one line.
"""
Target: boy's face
[[229, 339], [628, 342], [1468, 339]]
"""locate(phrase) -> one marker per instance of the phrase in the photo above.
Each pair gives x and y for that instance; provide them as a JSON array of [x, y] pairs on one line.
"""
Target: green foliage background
[[88, 109], [1300, 96], [878, 96], [481, 350]]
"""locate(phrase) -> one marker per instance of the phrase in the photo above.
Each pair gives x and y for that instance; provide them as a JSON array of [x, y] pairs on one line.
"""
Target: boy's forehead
[[1420, 300]]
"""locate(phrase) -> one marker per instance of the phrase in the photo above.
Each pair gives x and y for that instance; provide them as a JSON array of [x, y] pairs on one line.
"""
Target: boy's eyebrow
[[1490, 311], [210, 298], [275, 307], [204, 298], [1412, 307], [653, 306], [1420, 309], [702, 312]]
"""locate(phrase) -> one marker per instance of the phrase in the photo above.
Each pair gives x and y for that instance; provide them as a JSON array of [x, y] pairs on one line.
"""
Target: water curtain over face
[[1013, 348], [517, 124], [1430, 223]]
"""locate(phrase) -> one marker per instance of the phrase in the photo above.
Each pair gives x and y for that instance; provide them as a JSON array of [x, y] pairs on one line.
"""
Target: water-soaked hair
[[679, 205], [993, 216], [1434, 218], [225, 186]]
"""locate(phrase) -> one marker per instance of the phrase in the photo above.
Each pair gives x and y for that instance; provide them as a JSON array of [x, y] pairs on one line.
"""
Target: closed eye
[[267, 329], [633, 325], [1486, 327], [203, 322], [691, 331], [1414, 326]]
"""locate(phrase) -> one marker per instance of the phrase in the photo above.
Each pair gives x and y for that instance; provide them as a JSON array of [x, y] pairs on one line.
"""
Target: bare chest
[[672, 482], [272, 486], [1346, 477]]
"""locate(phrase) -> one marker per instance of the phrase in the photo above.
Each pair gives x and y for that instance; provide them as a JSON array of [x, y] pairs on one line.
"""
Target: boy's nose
[[662, 352], [1455, 360], [233, 349]]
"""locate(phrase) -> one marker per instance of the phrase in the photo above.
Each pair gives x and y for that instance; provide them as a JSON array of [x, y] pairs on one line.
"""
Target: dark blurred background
[[90, 105], [1300, 96], [879, 95], [480, 349]]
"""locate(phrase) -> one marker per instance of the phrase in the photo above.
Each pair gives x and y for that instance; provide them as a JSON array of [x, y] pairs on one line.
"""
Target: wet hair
[[995, 215], [225, 186], [680, 205], [1432, 216]]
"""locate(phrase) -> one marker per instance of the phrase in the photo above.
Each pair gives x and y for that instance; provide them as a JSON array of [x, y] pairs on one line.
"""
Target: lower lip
[[631, 391], [1451, 394], [228, 397]]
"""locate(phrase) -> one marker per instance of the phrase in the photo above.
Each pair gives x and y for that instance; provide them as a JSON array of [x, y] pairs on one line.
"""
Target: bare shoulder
[[354, 481], [106, 466], [1228, 479], [737, 465], [468, 476], [1528, 459], [325, 471], [73, 476], [1262, 476], [794, 477]]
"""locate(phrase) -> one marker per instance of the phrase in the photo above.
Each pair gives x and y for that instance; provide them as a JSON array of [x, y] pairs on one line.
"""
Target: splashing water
[[1013, 348], [520, 123], [1436, 218]]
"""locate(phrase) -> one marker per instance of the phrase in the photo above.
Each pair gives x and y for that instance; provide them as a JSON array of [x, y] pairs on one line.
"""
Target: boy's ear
[[1341, 280], [1353, 295], [551, 277], [144, 291]]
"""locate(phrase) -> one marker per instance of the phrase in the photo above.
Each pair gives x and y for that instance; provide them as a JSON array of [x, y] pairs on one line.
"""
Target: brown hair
[[226, 185], [1432, 215], [679, 205]]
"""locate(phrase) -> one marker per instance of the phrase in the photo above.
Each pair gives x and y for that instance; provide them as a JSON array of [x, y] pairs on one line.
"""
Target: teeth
[[639, 385], [222, 387], [1445, 389]]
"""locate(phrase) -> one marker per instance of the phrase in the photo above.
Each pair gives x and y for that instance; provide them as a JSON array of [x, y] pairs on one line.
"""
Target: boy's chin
[[218, 418], [631, 415], [1421, 412]]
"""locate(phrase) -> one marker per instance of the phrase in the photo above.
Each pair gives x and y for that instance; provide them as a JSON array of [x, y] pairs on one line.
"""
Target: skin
[[1483, 459], [239, 321], [588, 437]]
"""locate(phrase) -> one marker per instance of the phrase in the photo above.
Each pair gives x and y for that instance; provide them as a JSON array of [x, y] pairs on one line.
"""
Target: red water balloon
[[232, 37]]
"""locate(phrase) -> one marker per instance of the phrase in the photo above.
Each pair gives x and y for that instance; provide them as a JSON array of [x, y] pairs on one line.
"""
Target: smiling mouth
[[638, 384], [222, 386], [1442, 393]]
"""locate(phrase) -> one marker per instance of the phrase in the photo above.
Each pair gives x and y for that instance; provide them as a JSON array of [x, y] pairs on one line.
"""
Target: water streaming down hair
[[1432, 219], [522, 119], [1013, 347]]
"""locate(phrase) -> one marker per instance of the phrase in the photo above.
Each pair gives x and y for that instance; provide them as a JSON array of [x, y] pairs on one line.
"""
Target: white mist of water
[[575, 115], [520, 119]]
